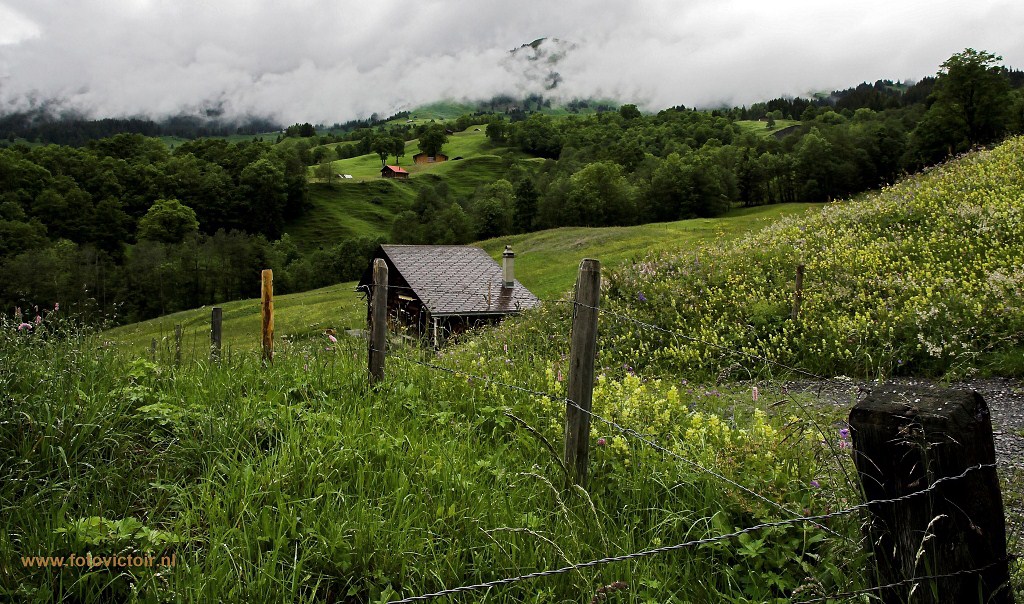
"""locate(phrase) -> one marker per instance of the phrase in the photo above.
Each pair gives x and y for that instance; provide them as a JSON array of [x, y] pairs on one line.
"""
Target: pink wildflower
[[24, 326], [601, 442], [56, 306], [753, 393], [559, 375], [333, 339]]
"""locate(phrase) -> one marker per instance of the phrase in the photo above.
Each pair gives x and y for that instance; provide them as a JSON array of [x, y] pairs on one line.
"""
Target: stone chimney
[[508, 271]]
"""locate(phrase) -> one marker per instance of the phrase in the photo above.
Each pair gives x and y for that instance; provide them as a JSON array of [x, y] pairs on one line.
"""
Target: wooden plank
[[267, 315], [582, 353], [378, 320], [906, 439], [216, 322]]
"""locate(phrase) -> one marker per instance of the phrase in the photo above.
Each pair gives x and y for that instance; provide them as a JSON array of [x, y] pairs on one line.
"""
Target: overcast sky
[[333, 60]]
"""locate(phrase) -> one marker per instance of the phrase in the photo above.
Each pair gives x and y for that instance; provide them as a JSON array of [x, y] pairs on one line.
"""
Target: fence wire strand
[[679, 334], [815, 520], [910, 581], [620, 428], [697, 542], [676, 333]]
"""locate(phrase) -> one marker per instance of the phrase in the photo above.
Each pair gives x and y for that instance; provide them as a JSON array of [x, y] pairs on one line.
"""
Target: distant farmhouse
[[437, 291], [393, 172], [423, 158]]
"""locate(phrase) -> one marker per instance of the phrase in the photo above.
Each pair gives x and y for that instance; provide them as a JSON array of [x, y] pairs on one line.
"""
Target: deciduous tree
[[433, 139]]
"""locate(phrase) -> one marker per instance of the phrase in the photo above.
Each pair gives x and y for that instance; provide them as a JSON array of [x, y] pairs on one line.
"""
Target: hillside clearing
[[546, 264]]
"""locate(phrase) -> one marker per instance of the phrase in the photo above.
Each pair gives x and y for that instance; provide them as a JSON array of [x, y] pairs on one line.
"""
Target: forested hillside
[[131, 227]]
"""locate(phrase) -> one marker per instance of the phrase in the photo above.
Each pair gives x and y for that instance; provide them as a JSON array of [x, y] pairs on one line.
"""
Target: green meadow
[[546, 263], [761, 128], [366, 204], [299, 481]]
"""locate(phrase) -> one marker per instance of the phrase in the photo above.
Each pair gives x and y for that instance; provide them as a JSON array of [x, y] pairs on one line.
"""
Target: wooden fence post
[[905, 439], [267, 315], [378, 320], [216, 319], [798, 291], [582, 352], [177, 344]]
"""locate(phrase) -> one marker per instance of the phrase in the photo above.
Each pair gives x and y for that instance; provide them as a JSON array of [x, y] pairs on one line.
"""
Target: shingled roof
[[455, 280]]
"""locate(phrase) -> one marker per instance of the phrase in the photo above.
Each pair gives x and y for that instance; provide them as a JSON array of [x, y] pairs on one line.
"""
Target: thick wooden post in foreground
[[905, 440], [216, 319], [267, 315], [798, 291], [378, 320], [582, 352]]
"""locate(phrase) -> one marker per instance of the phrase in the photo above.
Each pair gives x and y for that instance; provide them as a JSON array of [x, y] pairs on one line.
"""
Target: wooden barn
[[423, 158], [393, 172], [436, 291]]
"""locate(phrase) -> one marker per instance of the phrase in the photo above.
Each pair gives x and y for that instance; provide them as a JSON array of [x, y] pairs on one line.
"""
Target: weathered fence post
[[582, 352], [177, 344], [798, 291], [378, 320], [906, 439], [216, 320], [267, 315]]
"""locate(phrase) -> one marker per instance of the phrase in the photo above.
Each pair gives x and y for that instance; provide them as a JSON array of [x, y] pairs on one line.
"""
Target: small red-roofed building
[[393, 172]]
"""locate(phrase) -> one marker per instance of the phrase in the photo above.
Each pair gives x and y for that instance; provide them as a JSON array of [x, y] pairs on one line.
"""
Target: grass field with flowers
[[297, 481], [923, 278]]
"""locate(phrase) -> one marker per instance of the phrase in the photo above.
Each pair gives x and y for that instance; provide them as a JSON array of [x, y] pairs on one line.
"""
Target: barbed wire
[[794, 518], [627, 431], [687, 544], [910, 581], [677, 333]]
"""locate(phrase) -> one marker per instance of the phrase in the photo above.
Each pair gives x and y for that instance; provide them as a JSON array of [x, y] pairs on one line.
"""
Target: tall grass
[[298, 482]]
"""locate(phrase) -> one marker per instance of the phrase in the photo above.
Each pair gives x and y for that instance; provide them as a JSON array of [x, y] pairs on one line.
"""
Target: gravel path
[[1004, 396], [1005, 399]]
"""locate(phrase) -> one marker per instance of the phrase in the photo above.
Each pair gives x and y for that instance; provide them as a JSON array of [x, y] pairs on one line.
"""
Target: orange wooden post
[[267, 315]]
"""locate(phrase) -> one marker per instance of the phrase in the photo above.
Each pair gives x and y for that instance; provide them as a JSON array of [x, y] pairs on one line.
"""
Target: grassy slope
[[467, 144], [920, 278], [758, 127], [350, 209], [367, 203], [546, 263]]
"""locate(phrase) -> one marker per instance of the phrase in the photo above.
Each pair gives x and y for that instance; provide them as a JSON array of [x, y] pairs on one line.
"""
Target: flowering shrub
[[924, 277]]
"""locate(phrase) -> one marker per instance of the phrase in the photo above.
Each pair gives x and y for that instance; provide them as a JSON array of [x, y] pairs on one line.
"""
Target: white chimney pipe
[[508, 260]]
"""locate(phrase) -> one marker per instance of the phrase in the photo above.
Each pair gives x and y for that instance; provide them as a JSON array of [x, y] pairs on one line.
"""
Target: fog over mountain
[[323, 61]]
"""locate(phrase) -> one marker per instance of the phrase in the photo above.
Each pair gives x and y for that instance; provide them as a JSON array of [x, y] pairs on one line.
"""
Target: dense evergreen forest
[[125, 228]]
